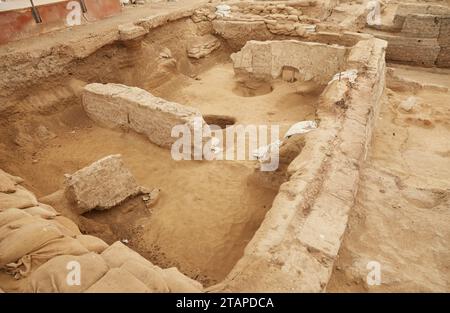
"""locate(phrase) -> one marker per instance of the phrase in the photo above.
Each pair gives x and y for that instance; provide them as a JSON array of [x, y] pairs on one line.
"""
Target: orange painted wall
[[19, 24]]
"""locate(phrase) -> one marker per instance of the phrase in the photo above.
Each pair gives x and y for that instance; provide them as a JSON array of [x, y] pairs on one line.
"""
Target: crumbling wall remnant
[[419, 34], [266, 60], [120, 106]]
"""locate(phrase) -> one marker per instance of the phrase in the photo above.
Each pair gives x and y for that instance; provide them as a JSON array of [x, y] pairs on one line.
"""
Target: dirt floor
[[208, 211], [401, 215]]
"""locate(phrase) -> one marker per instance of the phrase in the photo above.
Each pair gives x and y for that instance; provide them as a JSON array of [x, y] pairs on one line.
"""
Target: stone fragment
[[101, 185], [120, 106], [293, 18]]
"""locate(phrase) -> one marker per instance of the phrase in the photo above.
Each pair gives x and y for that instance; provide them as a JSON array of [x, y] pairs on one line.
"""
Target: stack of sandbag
[[120, 257], [116, 269], [46, 252], [27, 241]]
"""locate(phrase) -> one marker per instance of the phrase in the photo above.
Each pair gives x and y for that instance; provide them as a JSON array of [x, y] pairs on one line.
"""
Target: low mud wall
[[120, 106], [236, 31], [257, 59], [295, 247], [297, 244]]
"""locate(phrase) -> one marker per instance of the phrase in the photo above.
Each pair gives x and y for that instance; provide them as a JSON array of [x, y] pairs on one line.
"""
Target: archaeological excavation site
[[197, 146]]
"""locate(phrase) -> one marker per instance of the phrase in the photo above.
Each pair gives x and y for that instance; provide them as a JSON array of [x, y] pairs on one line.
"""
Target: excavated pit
[[223, 223], [208, 211], [223, 121]]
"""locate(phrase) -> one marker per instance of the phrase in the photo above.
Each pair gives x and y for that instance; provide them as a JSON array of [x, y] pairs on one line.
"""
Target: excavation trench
[[226, 223], [208, 211]]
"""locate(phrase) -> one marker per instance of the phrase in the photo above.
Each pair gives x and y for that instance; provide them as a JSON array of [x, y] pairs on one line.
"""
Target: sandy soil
[[215, 92], [402, 214], [208, 211]]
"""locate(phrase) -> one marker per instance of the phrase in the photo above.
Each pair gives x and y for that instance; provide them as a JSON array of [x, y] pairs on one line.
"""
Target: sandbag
[[67, 226], [25, 239], [9, 284], [41, 211], [15, 179], [48, 208], [117, 254], [19, 199], [7, 185], [178, 282], [30, 262], [93, 244], [52, 276], [118, 281], [151, 276], [10, 215]]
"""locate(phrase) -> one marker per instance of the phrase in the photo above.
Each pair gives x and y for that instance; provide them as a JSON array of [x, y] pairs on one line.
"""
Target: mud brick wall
[[443, 59], [426, 25], [419, 51]]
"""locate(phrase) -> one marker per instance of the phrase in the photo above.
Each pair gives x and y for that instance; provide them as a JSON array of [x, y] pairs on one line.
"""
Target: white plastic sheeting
[[300, 128]]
